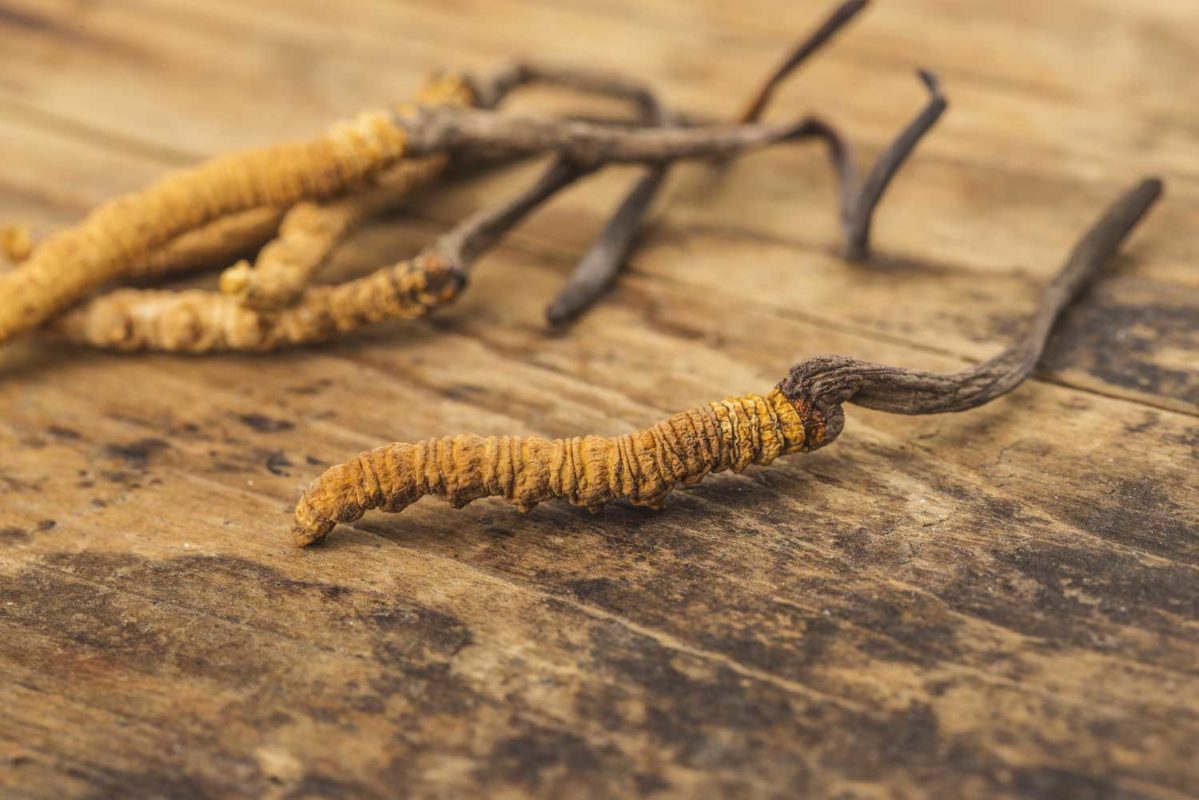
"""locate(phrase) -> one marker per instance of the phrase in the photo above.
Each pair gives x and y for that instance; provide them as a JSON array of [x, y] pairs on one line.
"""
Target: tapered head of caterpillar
[[822, 422], [435, 280], [448, 87]]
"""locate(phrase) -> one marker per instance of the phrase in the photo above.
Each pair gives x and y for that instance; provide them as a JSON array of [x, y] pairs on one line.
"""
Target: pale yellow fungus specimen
[[202, 322], [214, 243]]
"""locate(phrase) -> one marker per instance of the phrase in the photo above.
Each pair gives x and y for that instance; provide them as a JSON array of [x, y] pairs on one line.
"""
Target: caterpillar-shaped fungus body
[[205, 322], [642, 467], [128, 229]]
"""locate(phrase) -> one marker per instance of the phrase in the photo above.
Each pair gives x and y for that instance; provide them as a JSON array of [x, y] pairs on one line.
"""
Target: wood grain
[[999, 603]]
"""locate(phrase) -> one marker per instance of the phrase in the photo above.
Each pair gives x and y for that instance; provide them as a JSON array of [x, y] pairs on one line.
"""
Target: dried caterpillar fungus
[[802, 413], [219, 240], [196, 249], [188, 216], [203, 322], [589, 471], [129, 228], [311, 231]]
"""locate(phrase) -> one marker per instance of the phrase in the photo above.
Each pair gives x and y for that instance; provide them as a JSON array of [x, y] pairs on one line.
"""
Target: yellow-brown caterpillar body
[[312, 230], [642, 467], [198, 321], [220, 240], [128, 230]]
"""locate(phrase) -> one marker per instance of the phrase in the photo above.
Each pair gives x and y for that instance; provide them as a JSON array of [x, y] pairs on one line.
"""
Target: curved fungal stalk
[[801, 414], [859, 204], [830, 381], [601, 265], [830, 27], [859, 201]]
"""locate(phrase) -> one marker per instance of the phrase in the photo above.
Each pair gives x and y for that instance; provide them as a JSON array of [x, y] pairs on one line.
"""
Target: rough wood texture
[[999, 603]]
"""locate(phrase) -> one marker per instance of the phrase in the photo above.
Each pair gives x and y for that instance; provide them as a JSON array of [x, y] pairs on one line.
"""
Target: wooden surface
[[997, 603]]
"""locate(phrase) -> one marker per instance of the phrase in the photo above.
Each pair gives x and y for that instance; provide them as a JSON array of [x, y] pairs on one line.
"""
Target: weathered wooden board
[[1000, 603]]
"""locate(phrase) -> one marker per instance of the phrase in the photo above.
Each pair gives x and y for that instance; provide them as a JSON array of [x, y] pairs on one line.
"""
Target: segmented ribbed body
[[313, 229], [204, 322], [126, 229], [642, 467], [215, 243]]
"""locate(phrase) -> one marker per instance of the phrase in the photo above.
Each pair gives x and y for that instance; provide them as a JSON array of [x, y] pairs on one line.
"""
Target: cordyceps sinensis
[[132, 228], [312, 230], [802, 413], [128, 229], [199, 321], [313, 194], [270, 305]]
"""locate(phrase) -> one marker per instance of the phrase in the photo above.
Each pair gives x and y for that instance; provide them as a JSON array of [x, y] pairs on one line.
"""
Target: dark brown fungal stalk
[[858, 209], [859, 201], [830, 381], [604, 259], [599, 268], [800, 414], [483, 230], [431, 130], [831, 26]]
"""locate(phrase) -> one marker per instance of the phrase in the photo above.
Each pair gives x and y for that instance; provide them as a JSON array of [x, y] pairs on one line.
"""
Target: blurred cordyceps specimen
[[309, 196]]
